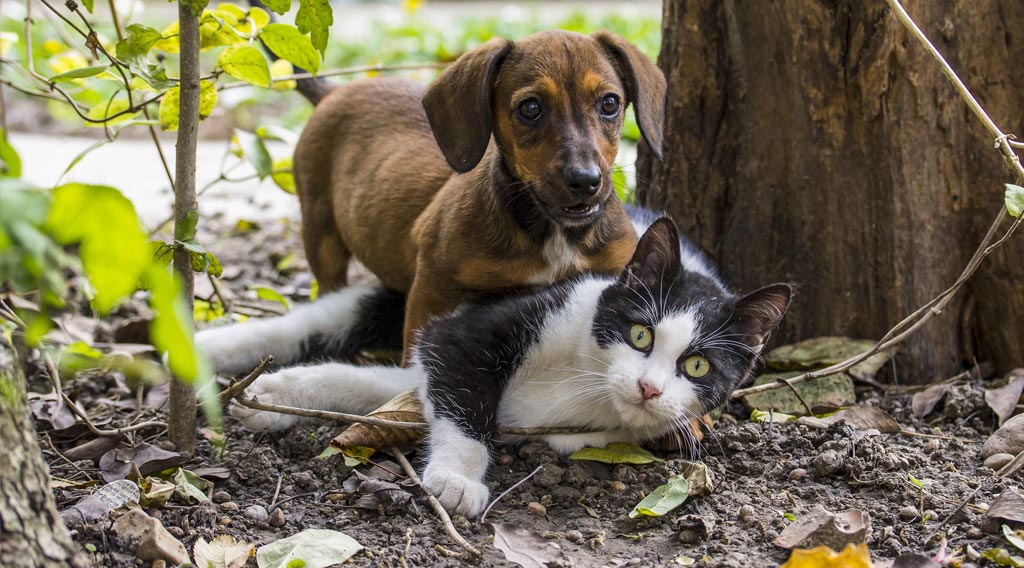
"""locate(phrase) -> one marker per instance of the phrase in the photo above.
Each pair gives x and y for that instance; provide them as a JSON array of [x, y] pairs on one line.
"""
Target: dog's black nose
[[583, 181]]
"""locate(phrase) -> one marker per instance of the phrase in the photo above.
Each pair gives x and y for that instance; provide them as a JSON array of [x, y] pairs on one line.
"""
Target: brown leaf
[[405, 407], [1009, 506], [858, 417], [117, 463], [1003, 401], [923, 403], [523, 547], [822, 528]]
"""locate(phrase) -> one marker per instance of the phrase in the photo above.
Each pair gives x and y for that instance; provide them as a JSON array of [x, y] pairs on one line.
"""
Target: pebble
[[536, 508], [224, 521], [797, 474], [229, 507], [932, 445], [995, 462], [688, 536], [908, 513], [550, 476], [221, 497], [574, 536], [277, 518], [633, 562], [504, 459], [159, 564], [828, 462], [618, 486], [931, 515], [974, 533], [257, 513], [746, 512], [175, 531]]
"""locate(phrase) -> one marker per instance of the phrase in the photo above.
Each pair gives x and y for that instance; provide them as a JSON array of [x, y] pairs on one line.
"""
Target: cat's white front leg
[[271, 389], [456, 469], [569, 443]]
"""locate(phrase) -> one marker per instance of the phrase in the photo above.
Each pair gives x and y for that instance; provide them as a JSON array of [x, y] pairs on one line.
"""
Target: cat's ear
[[758, 314], [656, 258]]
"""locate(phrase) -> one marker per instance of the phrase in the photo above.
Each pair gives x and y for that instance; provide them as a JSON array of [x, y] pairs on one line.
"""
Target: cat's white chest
[[561, 260]]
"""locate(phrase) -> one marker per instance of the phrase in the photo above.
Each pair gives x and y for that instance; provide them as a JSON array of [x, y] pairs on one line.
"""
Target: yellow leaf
[[411, 6], [282, 68], [67, 61], [170, 42], [53, 47], [853, 556], [281, 173], [168, 112]]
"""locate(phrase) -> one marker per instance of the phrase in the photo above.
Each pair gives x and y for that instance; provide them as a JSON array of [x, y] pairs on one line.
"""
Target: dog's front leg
[[427, 298]]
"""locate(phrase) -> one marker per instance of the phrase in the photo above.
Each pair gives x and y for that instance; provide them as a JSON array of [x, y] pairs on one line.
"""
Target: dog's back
[[363, 136]]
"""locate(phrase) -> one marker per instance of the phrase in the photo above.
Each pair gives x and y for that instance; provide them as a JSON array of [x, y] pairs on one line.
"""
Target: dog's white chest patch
[[561, 259]]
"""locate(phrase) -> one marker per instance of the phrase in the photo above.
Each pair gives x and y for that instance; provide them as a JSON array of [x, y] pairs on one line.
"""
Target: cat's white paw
[[225, 347], [456, 492], [271, 389]]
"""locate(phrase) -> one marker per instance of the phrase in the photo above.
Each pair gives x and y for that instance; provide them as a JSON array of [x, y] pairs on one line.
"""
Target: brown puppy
[[532, 130]]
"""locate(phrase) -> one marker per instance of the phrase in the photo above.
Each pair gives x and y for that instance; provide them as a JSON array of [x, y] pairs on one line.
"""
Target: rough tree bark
[[31, 532], [816, 142], [181, 420]]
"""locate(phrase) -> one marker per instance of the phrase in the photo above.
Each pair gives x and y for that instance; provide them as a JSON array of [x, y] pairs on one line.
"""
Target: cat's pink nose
[[648, 391]]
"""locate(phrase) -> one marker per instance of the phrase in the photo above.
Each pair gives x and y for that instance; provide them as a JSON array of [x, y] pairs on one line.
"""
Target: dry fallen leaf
[[853, 556], [405, 407], [222, 552], [117, 463], [857, 417], [923, 403], [616, 452], [1003, 401], [822, 528], [523, 547], [1009, 506]]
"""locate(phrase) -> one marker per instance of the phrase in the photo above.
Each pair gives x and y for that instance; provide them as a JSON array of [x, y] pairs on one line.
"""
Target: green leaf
[[266, 293], [312, 548], [255, 152], [288, 43], [281, 173], [274, 132], [328, 452], [315, 18], [616, 452], [247, 63], [663, 499], [171, 329], [88, 5], [1015, 538], [10, 161], [114, 248], [169, 105], [279, 6], [1002, 557], [922, 483], [207, 98], [186, 230], [1014, 198], [134, 50], [189, 487], [79, 73], [765, 417]]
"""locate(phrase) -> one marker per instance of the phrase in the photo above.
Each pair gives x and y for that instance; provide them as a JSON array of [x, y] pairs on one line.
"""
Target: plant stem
[[182, 416]]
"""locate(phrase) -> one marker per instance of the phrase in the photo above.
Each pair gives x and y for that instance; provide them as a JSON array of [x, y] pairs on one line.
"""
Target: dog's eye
[[529, 110], [610, 106]]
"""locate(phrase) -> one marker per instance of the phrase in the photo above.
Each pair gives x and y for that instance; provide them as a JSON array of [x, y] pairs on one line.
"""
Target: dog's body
[[533, 129]]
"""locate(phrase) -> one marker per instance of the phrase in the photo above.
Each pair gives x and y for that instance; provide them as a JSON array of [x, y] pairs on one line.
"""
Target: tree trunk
[[181, 419], [816, 142], [31, 531]]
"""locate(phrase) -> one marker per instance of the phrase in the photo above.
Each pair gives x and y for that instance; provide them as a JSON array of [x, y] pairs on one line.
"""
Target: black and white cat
[[632, 358]]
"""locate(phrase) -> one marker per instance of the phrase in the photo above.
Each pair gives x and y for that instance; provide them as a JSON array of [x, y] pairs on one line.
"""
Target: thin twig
[[436, 505], [347, 71], [239, 387], [483, 517], [1012, 467], [277, 491], [250, 402], [107, 433], [807, 407]]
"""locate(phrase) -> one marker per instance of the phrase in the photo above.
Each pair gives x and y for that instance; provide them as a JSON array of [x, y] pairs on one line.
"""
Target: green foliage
[[315, 18], [1014, 198], [290, 44], [169, 105], [663, 499], [247, 63]]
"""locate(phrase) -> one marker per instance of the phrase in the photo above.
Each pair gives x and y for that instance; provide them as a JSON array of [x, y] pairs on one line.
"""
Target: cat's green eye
[[641, 336], [696, 367]]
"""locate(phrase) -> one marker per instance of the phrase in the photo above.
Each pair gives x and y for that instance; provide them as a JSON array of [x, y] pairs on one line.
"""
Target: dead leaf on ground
[[155, 492], [117, 463], [405, 407], [214, 473], [822, 528], [857, 417], [189, 487], [698, 475], [375, 493], [820, 352], [104, 500], [616, 453], [1003, 401], [821, 395], [523, 547], [1009, 506], [853, 556], [222, 552], [923, 403], [54, 414]]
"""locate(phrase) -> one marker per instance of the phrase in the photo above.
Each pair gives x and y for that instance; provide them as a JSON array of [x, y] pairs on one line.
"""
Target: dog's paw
[[456, 492], [271, 389]]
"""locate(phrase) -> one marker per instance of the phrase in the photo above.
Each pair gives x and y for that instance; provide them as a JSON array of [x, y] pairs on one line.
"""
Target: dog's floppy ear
[[645, 87], [458, 104]]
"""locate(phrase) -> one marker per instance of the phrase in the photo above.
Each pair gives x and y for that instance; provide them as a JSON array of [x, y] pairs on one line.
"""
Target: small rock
[[277, 518], [229, 507], [257, 513], [550, 476], [932, 445], [574, 536], [995, 462], [633, 562], [224, 521], [797, 474], [175, 531], [689, 536], [617, 486], [166, 445], [159, 564], [828, 462], [221, 497], [1008, 439], [504, 459], [974, 533], [930, 515], [746, 512], [152, 540], [536, 508], [908, 513]]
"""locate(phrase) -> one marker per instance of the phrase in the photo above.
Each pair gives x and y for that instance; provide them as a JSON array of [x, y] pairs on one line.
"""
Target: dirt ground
[[763, 473]]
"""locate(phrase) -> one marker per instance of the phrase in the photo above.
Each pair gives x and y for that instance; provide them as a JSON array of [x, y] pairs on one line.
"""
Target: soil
[[762, 472]]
